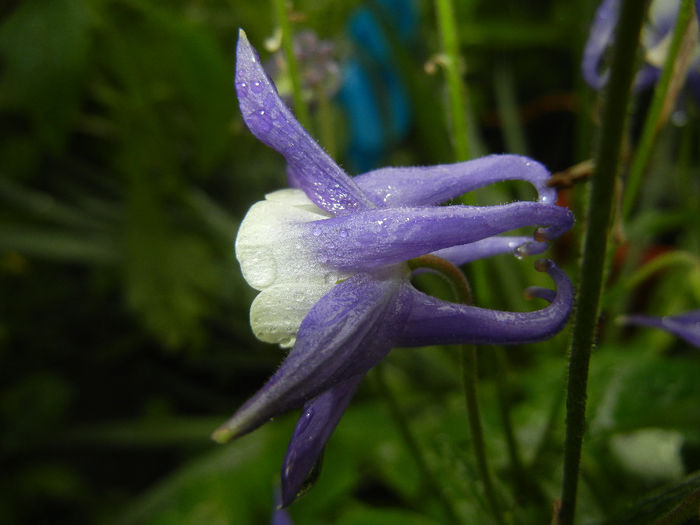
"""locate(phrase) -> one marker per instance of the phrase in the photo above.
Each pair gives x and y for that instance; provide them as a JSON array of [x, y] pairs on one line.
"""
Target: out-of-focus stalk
[[664, 95], [450, 49], [607, 161], [300, 108]]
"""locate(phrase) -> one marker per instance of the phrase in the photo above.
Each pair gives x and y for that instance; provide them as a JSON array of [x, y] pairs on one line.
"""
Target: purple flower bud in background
[[656, 36], [686, 326]]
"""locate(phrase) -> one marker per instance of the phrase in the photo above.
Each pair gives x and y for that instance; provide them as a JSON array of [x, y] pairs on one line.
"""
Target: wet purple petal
[[599, 39], [271, 122], [519, 246], [685, 326], [318, 419], [380, 237], [417, 186], [433, 321], [346, 333]]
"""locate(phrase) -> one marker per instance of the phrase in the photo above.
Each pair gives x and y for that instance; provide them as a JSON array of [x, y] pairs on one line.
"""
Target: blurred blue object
[[372, 94]]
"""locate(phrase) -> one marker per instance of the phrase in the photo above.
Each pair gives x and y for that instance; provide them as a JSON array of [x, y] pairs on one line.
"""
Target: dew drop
[[260, 121], [257, 87], [343, 233], [316, 231], [242, 89], [305, 419], [546, 198], [520, 252]]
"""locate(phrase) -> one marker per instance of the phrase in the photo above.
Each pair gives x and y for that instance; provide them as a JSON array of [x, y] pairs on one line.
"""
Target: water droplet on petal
[[316, 231], [305, 419], [257, 87], [343, 233], [242, 89], [260, 121], [520, 252]]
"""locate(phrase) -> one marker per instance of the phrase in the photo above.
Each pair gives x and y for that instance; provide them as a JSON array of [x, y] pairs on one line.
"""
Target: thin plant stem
[[501, 373], [470, 375], [659, 104], [325, 119], [300, 108], [402, 424], [463, 294], [507, 107], [598, 214], [452, 61]]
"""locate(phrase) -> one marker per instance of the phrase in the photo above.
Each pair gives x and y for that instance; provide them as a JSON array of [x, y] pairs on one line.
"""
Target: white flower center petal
[[277, 311], [278, 258]]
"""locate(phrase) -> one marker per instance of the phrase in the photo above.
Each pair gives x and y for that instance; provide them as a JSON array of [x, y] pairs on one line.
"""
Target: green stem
[[302, 112], [450, 44], [598, 215], [435, 486], [655, 115], [469, 373], [325, 116], [501, 373], [463, 294]]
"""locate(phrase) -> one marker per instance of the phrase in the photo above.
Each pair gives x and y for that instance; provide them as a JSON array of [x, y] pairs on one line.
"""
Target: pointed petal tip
[[222, 435]]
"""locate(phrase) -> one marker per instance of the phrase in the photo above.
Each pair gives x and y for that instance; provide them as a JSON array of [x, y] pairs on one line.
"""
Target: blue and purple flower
[[330, 258], [685, 325], [656, 37]]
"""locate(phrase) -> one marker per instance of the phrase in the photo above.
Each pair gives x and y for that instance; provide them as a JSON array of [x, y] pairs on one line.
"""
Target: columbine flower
[[685, 326], [656, 37], [330, 260]]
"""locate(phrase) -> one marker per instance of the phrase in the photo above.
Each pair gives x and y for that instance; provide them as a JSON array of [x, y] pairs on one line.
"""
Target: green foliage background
[[124, 339]]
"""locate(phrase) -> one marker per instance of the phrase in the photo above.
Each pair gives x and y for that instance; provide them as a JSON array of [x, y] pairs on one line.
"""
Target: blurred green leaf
[[45, 47], [654, 506], [59, 245], [364, 515], [634, 388]]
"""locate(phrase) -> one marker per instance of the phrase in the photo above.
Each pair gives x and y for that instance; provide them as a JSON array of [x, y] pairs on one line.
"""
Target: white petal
[[269, 246], [278, 258], [277, 311]]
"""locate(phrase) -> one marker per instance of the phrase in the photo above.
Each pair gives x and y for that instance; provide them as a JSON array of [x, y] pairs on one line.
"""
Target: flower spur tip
[[222, 435], [543, 265]]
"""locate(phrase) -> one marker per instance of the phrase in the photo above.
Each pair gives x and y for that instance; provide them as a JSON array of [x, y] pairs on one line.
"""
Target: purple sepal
[[346, 333], [686, 326], [380, 237], [599, 39], [433, 321], [318, 419], [418, 186], [269, 119], [519, 246]]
